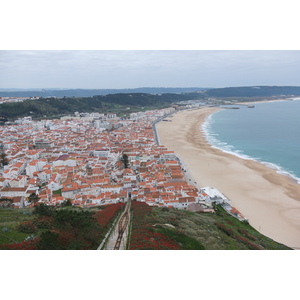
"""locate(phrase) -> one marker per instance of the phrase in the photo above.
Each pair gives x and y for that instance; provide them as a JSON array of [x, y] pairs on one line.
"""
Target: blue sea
[[268, 133]]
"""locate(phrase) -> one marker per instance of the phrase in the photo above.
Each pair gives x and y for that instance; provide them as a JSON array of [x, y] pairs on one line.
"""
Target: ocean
[[268, 133]]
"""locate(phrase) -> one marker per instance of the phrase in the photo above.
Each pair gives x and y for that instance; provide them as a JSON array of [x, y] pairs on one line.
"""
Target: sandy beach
[[270, 201]]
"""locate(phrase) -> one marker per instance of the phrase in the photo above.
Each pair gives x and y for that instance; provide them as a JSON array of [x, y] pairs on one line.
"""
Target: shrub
[[247, 234], [27, 227], [26, 245], [105, 216], [43, 222], [50, 240], [248, 243], [44, 210], [225, 229]]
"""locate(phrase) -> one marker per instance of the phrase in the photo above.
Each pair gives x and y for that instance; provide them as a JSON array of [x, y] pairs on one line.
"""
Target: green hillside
[[113, 103], [152, 228], [195, 231]]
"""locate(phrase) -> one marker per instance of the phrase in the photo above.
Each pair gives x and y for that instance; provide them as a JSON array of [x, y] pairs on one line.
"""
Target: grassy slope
[[196, 231], [10, 219], [218, 231]]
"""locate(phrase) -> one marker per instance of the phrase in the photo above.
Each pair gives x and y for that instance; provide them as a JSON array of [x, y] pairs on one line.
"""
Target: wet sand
[[270, 201]]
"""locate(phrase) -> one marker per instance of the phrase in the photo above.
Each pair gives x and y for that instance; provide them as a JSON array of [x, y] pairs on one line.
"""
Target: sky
[[113, 69]]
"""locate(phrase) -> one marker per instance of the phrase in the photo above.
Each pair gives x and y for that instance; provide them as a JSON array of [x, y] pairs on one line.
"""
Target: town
[[93, 159], [15, 99]]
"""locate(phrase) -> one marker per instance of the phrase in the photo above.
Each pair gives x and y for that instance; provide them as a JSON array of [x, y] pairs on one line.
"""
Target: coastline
[[269, 200], [214, 143]]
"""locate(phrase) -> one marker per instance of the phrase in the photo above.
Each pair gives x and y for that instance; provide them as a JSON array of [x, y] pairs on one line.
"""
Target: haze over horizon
[[119, 69]]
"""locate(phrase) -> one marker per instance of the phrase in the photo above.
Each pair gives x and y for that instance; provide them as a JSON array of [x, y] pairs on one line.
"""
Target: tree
[[66, 203], [3, 156], [44, 210], [125, 161], [78, 222], [33, 198], [6, 202], [49, 241]]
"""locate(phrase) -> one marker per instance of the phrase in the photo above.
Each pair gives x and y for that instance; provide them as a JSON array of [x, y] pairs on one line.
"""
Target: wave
[[211, 138]]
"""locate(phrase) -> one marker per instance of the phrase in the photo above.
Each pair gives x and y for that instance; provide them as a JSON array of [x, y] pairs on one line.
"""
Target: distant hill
[[113, 103], [124, 103], [92, 92], [254, 91], [245, 91]]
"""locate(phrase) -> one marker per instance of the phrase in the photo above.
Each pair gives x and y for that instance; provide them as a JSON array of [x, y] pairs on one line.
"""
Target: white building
[[103, 125], [214, 196]]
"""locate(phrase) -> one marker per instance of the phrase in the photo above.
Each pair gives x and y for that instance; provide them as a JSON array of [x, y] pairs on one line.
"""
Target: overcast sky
[[101, 69]]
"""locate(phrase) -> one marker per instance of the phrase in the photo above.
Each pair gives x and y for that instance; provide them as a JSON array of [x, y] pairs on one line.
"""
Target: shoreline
[[269, 200], [270, 165]]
